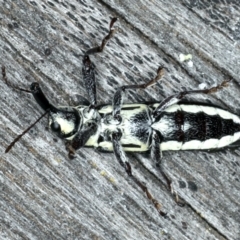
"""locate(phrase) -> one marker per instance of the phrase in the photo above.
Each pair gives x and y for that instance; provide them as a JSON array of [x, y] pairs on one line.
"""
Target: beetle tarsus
[[105, 39], [71, 150], [218, 87]]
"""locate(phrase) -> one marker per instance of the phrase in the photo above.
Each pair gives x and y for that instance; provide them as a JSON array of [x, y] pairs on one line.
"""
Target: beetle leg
[[177, 97], [118, 96], [121, 157], [88, 72], [156, 156], [81, 138], [88, 69]]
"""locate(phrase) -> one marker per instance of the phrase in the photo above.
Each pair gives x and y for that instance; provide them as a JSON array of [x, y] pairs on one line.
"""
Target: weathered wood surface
[[46, 196]]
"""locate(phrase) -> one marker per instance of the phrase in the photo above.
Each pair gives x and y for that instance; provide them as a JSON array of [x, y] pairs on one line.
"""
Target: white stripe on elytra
[[206, 109], [198, 145], [165, 126]]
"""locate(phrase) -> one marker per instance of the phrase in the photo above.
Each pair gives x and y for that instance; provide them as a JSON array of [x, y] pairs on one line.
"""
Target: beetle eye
[[55, 126]]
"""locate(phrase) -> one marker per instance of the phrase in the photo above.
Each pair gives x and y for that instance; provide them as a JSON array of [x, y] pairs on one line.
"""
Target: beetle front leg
[[88, 72], [121, 157], [156, 156], [177, 97], [81, 138], [119, 94], [88, 69]]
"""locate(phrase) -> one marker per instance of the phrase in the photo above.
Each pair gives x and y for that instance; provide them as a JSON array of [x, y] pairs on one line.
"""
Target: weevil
[[136, 127]]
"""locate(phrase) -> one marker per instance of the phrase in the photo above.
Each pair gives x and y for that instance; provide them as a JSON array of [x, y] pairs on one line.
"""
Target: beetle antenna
[[4, 75], [24, 132]]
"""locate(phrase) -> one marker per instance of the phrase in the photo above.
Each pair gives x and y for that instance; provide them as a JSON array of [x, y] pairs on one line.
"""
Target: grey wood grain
[[46, 196]]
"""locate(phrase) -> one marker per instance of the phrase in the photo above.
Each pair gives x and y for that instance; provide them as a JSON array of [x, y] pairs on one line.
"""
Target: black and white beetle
[[168, 125]]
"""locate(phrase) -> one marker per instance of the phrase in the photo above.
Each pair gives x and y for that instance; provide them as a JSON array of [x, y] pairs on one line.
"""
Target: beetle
[[136, 127]]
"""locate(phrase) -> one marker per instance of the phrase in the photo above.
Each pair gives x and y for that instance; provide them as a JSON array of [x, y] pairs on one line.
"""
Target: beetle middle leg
[[118, 96], [121, 157]]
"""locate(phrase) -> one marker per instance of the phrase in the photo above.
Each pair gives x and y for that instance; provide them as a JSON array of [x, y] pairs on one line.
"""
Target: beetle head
[[65, 122]]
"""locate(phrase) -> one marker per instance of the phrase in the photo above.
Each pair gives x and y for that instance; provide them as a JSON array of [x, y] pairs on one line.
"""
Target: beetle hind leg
[[121, 157], [178, 96], [156, 155]]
